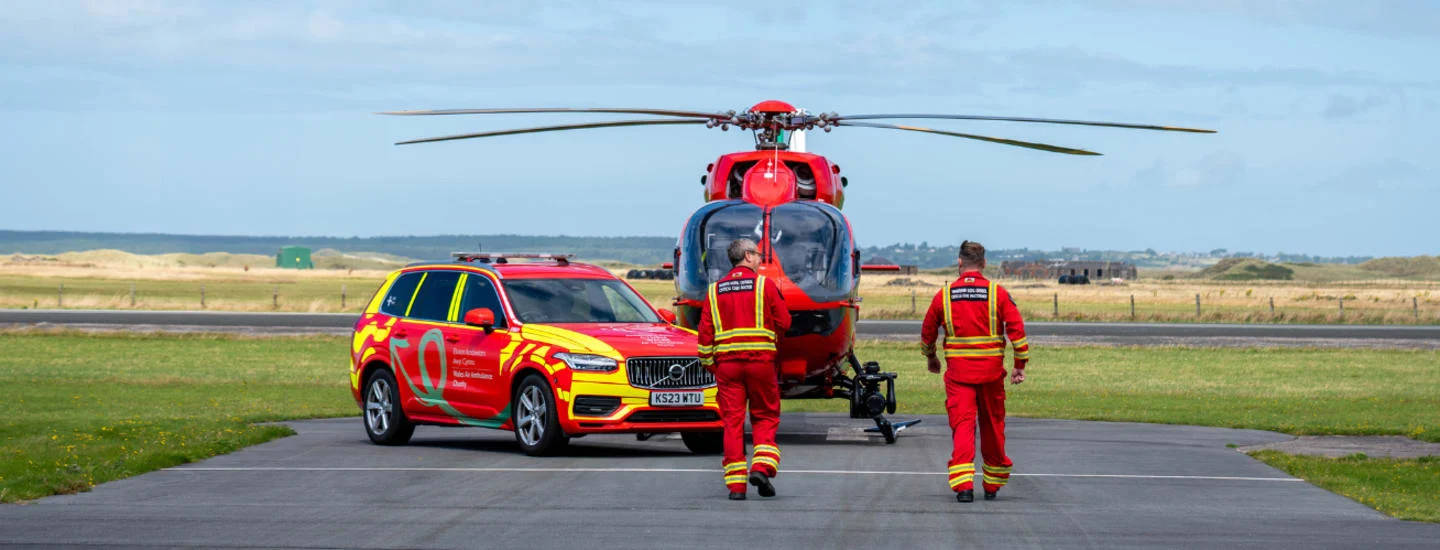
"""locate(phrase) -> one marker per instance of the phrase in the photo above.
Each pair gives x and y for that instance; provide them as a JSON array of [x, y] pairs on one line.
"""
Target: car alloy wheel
[[531, 414], [379, 410]]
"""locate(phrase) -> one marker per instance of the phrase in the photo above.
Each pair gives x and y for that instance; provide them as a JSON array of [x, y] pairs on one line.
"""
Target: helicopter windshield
[[709, 233], [812, 242]]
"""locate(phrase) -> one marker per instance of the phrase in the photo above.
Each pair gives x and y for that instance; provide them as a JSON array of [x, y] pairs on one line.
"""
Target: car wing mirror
[[668, 316], [481, 317]]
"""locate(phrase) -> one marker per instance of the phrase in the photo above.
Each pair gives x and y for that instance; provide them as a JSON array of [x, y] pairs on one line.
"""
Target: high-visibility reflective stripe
[[970, 466], [744, 332], [997, 469], [734, 479], [1023, 341], [745, 346], [705, 349], [764, 447], [735, 466], [454, 314], [949, 314], [996, 480], [760, 303], [984, 345], [1022, 355], [768, 461], [975, 353], [714, 307], [956, 481], [974, 340], [990, 305], [416, 293]]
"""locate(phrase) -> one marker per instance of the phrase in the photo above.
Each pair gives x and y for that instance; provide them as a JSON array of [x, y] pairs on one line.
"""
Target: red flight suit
[[743, 315], [976, 316]]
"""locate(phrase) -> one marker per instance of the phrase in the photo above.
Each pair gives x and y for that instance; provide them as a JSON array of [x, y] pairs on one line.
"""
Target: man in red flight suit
[[743, 315], [976, 316]]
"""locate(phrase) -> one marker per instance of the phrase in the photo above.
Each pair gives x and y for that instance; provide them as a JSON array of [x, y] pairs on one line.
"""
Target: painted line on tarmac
[[679, 470]]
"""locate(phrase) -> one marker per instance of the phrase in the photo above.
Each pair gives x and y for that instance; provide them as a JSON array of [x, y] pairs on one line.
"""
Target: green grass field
[[90, 408], [1405, 489]]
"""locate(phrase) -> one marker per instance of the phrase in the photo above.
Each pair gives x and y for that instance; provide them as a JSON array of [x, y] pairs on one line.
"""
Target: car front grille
[[661, 373]]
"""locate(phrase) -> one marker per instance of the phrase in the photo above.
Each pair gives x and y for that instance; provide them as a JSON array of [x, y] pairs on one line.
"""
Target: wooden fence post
[[132, 294], [1415, 306], [202, 296], [1132, 307], [342, 297], [1342, 308], [912, 300], [60, 297], [1272, 305], [275, 298], [1197, 304], [1057, 305]]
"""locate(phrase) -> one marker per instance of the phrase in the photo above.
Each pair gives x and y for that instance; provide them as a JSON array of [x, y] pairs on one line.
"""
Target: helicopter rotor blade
[[658, 112], [611, 124], [1027, 119], [1003, 141]]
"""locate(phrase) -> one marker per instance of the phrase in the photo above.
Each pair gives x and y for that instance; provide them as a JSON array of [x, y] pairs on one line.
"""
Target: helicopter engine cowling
[[769, 183]]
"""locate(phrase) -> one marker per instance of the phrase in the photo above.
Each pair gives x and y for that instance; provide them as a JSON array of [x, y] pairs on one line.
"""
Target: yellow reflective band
[[743, 332], [996, 480], [416, 293], [990, 299], [705, 349], [745, 346], [714, 307], [962, 479], [706, 361], [966, 466], [760, 303], [734, 479], [974, 340], [949, 315], [1023, 355], [454, 314], [1023, 341], [767, 460], [974, 353], [765, 447]]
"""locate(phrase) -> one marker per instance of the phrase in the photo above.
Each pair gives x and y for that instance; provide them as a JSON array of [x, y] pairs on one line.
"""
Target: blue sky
[[254, 118]]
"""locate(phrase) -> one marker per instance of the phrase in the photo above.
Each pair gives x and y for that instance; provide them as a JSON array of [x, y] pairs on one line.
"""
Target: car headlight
[[587, 362]]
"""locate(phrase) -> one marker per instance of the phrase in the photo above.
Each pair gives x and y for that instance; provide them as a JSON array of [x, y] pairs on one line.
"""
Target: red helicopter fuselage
[[789, 204]]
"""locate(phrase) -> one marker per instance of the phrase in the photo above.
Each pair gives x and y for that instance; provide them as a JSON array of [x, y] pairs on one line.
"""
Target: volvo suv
[[536, 344]]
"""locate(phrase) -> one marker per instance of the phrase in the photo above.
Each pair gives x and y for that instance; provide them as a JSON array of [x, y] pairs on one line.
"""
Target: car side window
[[480, 292], [620, 308], [400, 293], [432, 303]]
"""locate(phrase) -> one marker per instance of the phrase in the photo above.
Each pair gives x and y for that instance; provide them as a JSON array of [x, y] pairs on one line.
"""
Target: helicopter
[[789, 202]]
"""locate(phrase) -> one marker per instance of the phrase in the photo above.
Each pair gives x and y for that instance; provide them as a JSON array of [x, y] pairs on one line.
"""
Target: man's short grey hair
[[738, 248]]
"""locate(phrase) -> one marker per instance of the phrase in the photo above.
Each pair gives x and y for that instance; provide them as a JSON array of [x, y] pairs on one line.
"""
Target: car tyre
[[536, 420], [704, 443], [385, 421]]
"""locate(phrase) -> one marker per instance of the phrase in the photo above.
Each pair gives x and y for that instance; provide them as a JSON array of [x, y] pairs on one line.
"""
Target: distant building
[[1054, 269], [294, 257]]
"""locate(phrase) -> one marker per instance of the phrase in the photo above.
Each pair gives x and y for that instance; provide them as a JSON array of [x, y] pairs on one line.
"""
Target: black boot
[[967, 495], [737, 495], [762, 482], [989, 495]]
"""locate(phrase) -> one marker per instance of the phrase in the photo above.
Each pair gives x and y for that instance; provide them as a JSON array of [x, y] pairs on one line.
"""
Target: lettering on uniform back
[[736, 285], [969, 294]]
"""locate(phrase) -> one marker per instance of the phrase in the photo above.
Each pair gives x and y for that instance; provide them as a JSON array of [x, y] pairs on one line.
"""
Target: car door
[[424, 348], [475, 359]]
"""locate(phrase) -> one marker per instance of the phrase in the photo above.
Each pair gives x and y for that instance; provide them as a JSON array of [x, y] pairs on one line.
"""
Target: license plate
[[677, 398]]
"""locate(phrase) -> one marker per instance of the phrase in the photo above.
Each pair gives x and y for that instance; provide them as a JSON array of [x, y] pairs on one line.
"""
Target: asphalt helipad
[[1076, 484]]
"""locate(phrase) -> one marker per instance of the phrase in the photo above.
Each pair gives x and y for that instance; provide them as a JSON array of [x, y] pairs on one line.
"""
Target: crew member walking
[[976, 316], [742, 317]]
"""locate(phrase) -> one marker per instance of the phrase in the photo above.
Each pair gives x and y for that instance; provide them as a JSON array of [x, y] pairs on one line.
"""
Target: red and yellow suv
[[545, 347]]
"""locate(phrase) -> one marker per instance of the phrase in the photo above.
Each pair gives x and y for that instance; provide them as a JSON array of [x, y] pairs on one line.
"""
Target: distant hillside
[[635, 250]]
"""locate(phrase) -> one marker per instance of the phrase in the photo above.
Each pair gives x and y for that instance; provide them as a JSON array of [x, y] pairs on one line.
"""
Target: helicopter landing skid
[[867, 401]]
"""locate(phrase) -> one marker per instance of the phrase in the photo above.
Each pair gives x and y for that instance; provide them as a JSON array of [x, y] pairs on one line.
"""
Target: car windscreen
[[577, 301], [812, 243]]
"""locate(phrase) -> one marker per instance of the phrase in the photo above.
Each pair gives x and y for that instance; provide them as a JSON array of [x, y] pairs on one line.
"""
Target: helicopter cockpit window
[[703, 256], [813, 245]]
